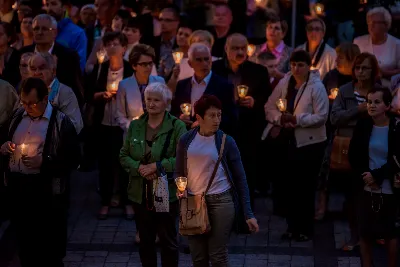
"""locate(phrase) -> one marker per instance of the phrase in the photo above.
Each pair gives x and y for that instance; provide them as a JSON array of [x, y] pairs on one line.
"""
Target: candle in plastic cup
[[186, 109], [177, 57], [281, 104], [250, 49], [242, 90], [334, 92], [101, 55], [23, 148], [181, 183], [319, 9]]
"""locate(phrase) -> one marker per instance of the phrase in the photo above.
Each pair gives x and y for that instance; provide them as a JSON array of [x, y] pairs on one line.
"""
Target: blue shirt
[[72, 36]]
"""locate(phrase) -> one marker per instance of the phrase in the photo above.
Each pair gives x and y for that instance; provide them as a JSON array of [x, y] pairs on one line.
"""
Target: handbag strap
[[221, 151]]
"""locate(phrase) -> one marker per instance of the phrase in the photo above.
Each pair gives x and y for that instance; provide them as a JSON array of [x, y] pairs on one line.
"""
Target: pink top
[[277, 51]]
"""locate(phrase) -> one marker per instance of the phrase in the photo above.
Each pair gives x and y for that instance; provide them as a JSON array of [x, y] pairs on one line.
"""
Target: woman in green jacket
[[149, 150]]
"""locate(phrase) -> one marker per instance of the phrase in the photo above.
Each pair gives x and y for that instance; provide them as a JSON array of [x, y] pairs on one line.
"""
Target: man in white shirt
[[43, 66]]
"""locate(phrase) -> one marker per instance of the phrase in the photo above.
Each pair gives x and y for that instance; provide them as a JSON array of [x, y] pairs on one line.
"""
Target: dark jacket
[[231, 163], [61, 149], [359, 152], [11, 72], [96, 83], [68, 68], [218, 87], [259, 89]]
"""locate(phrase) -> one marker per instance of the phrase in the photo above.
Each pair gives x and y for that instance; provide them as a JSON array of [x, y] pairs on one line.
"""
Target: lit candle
[[186, 109], [258, 2], [319, 9], [242, 90], [250, 50], [135, 118], [281, 104], [334, 92], [23, 149], [181, 183], [101, 55], [177, 57]]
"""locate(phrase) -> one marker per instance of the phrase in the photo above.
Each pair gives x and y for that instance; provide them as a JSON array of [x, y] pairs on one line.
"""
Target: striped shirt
[[360, 99]]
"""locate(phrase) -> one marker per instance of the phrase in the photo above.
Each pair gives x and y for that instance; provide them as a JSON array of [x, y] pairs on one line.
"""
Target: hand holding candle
[[242, 90], [334, 93], [24, 149], [101, 55], [181, 183], [186, 109], [177, 57], [281, 104]]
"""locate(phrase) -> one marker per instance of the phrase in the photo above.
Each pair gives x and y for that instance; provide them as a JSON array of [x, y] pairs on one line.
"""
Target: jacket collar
[[166, 125]]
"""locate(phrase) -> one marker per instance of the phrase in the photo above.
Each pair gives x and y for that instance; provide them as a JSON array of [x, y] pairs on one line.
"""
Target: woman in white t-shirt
[[378, 42], [373, 153]]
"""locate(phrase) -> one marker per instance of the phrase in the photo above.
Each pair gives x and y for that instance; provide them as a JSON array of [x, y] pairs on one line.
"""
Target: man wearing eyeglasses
[[68, 68], [40, 152]]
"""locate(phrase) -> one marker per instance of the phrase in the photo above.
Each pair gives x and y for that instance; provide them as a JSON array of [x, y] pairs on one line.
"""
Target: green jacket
[[133, 150]]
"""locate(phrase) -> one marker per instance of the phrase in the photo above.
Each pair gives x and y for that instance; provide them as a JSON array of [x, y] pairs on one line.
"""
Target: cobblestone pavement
[[109, 243]]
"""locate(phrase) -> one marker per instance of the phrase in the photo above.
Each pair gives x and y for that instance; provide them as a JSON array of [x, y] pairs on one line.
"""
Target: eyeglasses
[[297, 64], [145, 64], [314, 29], [29, 105], [43, 29]]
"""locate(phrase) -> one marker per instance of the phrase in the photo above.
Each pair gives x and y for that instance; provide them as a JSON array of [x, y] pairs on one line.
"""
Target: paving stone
[[279, 258], [96, 253]]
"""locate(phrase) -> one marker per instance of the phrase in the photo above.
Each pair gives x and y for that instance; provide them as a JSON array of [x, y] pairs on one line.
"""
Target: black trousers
[[38, 217], [303, 167], [109, 145], [149, 224]]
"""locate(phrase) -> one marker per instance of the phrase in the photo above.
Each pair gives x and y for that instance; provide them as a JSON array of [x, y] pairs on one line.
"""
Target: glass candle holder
[[250, 50], [319, 9], [281, 104], [177, 57], [186, 109], [242, 90], [181, 183], [101, 55]]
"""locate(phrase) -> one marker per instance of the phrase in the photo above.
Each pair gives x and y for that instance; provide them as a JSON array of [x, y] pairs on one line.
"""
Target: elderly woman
[[350, 105], [130, 95], [373, 153], [228, 195], [149, 150], [378, 42], [300, 128], [275, 32], [323, 56]]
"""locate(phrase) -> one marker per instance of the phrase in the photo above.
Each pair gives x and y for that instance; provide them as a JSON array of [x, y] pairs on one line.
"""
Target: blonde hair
[[206, 35]]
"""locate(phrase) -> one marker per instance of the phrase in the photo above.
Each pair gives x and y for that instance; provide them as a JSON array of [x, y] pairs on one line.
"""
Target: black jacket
[[359, 152], [68, 68], [218, 87], [61, 150]]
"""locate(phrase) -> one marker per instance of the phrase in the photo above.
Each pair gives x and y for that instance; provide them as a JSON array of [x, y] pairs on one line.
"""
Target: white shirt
[[186, 70], [50, 50], [199, 88], [202, 156], [110, 109], [31, 133]]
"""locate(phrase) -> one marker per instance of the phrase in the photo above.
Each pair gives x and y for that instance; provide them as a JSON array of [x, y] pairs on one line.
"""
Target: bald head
[[236, 48]]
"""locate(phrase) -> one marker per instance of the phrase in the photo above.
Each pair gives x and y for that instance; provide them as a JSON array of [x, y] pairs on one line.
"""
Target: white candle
[[319, 9], [177, 57], [23, 149]]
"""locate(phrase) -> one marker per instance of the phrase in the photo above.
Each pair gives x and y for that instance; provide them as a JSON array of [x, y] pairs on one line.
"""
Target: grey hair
[[48, 18], [49, 58], [198, 47], [384, 12], [161, 89]]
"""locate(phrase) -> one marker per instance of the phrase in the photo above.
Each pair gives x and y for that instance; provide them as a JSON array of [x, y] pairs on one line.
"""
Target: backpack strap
[[221, 152]]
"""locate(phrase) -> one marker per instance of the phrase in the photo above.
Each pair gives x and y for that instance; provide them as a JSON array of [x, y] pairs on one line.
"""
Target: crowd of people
[[212, 91]]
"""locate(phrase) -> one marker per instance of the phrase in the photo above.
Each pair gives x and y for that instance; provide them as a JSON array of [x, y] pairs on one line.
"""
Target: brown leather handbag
[[339, 155], [193, 218]]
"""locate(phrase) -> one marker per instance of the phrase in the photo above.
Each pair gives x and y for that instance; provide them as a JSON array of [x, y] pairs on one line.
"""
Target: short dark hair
[[9, 31], [301, 56], [185, 22], [266, 55], [277, 19], [125, 15], [205, 103], [138, 50], [29, 84], [386, 94], [111, 36], [375, 70], [173, 9], [349, 50], [134, 23]]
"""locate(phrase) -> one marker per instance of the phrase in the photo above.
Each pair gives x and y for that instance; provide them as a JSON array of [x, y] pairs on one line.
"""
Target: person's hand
[[32, 162], [246, 101], [194, 124], [275, 131], [362, 107], [289, 125], [185, 119], [180, 194], [176, 70], [288, 118], [107, 95], [146, 170], [368, 179], [253, 225], [7, 148], [331, 97], [151, 177]]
